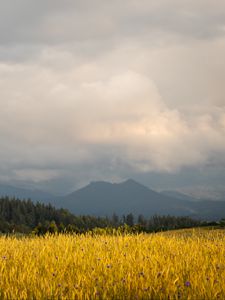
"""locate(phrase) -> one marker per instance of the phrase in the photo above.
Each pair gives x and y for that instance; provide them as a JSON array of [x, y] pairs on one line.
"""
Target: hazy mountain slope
[[209, 210], [21, 193], [178, 195]]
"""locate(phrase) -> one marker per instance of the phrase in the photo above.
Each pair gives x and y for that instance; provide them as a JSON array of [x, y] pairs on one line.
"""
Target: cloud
[[49, 121], [110, 88]]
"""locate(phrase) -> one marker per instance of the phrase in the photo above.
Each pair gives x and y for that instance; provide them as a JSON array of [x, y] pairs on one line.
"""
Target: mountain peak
[[130, 181], [99, 183]]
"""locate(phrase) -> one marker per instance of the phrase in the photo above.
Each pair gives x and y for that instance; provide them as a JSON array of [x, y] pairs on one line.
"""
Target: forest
[[24, 216]]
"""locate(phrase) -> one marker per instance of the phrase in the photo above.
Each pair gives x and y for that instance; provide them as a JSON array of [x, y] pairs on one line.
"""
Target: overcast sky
[[102, 89]]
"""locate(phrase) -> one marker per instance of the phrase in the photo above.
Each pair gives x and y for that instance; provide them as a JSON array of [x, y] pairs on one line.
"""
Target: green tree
[[52, 228], [130, 219]]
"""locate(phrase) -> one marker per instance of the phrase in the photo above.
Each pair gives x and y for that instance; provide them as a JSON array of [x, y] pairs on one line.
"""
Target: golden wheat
[[174, 265]]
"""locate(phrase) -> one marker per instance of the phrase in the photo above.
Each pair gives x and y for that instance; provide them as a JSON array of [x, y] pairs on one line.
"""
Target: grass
[[183, 264]]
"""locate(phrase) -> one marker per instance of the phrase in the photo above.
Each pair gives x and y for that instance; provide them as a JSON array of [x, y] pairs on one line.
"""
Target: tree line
[[24, 216]]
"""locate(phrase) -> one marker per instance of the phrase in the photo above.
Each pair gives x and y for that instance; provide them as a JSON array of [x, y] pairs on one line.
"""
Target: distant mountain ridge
[[22, 193], [100, 198]]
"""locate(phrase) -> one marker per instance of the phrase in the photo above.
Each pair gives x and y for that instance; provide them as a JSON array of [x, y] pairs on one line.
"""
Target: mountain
[[104, 198], [21, 193]]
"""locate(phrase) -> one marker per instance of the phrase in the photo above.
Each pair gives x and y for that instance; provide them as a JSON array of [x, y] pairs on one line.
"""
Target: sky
[[109, 90]]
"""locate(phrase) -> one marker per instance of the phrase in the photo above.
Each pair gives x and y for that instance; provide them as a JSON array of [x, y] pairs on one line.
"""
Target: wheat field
[[187, 264]]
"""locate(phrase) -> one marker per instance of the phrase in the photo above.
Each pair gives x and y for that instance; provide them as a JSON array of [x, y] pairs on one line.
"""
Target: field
[[187, 264]]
